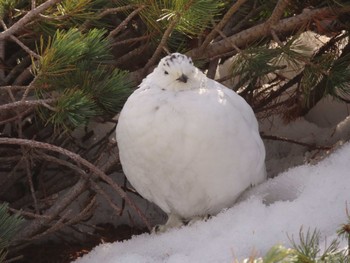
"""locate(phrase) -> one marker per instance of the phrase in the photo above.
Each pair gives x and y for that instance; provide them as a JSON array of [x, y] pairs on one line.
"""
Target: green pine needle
[[73, 108], [73, 70], [194, 16], [9, 224]]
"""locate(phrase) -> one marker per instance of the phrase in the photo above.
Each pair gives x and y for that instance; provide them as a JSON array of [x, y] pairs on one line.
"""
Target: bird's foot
[[173, 222], [195, 219]]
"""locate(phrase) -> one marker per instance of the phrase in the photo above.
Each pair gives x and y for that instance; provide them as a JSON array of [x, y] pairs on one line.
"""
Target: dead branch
[[284, 139], [222, 23], [27, 103], [24, 47], [257, 32], [20, 24], [82, 173], [125, 22], [115, 10], [162, 43]]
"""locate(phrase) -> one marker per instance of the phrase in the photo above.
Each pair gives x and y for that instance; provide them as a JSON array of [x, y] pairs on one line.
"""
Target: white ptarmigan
[[187, 143]]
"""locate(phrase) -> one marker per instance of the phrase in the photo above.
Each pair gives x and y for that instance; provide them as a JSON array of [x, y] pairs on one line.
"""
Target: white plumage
[[187, 143]]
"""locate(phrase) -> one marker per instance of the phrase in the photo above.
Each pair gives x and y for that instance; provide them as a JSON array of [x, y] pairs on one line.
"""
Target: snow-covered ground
[[308, 196]]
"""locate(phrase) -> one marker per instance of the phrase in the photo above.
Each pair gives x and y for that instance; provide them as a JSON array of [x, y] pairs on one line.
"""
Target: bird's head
[[176, 72]]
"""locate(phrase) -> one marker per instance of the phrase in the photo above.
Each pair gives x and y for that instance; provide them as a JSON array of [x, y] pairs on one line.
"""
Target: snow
[[307, 196]]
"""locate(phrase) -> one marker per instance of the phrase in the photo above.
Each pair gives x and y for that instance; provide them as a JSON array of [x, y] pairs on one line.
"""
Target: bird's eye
[[166, 72]]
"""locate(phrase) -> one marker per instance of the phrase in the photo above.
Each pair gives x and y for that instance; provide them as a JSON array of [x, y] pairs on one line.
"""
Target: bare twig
[[30, 181], [131, 40], [27, 18], [162, 42], [36, 225], [310, 146], [24, 47], [18, 116], [82, 173], [14, 87], [222, 23], [125, 22], [29, 214], [115, 10], [27, 103]]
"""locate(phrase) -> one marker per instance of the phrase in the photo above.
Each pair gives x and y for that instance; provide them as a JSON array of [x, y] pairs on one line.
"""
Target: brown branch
[[222, 23], [308, 145], [125, 22], [278, 12], [257, 32], [162, 42], [131, 40], [18, 116], [82, 173], [14, 87], [115, 10], [36, 225], [24, 47], [20, 24], [30, 181], [75, 157], [27, 103]]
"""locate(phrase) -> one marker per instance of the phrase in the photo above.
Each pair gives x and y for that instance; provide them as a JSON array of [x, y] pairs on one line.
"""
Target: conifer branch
[[222, 23], [20, 24]]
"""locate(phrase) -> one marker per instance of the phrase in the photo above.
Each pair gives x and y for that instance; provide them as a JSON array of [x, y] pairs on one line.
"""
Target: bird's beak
[[183, 78]]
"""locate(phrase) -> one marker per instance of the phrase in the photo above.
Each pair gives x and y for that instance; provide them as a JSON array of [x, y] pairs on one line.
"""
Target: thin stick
[[115, 10], [125, 22], [24, 47], [222, 23], [162, 42], [30, 181], [311, 146], [27, 103]]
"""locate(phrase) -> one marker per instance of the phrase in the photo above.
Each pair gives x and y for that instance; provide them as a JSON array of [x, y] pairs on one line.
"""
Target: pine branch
[[222, 23], [257, 32], [20, 24]]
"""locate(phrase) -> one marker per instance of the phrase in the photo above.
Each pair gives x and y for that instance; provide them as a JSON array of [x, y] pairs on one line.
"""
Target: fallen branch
[[284, 139]]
